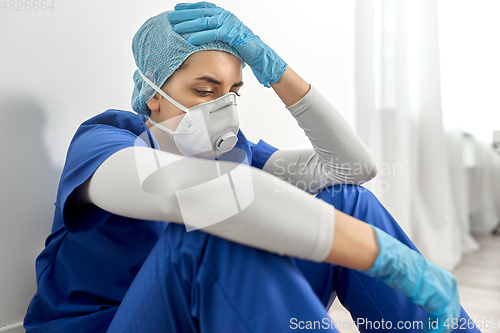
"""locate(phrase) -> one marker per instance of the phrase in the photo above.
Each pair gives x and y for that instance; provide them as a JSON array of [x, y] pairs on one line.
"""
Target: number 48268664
[[463, 323], [27, 5]]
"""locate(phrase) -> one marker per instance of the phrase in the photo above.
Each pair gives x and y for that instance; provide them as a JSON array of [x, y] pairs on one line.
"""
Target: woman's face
[[205, 76]]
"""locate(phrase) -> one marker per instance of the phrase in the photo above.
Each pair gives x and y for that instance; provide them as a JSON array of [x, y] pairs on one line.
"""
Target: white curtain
[[484, 186], [468, 30], [461, 158], [399, 117]]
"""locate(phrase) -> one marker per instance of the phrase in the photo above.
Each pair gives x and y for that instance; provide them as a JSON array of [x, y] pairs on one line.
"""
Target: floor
[[478, 278]]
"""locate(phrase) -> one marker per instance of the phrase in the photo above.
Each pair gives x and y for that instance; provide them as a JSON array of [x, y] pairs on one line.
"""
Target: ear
[[154, 103]]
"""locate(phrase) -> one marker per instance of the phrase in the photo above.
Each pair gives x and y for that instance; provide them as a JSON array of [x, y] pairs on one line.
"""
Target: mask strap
[[161, 92], [161, 126]]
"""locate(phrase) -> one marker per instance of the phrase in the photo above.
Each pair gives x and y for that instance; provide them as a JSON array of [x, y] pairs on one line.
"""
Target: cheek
[[190, 99], [184, 94], [173, 122], [170, 116]]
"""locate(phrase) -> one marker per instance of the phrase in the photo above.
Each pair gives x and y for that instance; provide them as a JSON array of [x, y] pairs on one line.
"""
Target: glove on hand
[[430, 287], [210, 23]]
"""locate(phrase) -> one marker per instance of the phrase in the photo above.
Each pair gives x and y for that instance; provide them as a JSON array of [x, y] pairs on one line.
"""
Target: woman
[[113, 264]]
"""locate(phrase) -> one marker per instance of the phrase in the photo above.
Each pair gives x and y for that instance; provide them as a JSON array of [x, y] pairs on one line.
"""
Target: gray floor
[[478, 277]]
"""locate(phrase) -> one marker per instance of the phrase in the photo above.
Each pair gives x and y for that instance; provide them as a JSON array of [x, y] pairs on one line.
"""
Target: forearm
[[291, 87], [355, 243], [279, 217], [256, 208], [338, 155]]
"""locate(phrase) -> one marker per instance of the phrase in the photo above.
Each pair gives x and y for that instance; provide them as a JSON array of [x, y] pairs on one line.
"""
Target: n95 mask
[[210, 127]]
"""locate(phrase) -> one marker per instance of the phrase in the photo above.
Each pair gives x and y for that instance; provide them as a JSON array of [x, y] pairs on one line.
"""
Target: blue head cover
[[158, 52]]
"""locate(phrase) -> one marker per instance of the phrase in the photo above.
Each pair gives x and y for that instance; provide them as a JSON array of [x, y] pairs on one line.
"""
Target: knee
[[347, 197], [361, 203]]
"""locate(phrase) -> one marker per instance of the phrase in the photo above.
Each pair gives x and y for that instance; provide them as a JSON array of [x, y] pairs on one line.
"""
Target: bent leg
[[370, 301], [192, 281]]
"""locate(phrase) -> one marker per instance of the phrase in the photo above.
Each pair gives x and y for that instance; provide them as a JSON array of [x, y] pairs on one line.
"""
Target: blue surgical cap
[[158, 52]]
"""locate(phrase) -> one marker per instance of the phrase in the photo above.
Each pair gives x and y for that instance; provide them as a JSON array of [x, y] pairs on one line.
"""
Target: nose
[[222, 107], [223, 102]]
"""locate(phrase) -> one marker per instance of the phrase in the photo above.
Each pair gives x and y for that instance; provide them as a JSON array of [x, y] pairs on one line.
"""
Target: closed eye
[[204, 93]]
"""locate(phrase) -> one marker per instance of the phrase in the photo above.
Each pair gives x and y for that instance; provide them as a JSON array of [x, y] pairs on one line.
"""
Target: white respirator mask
[[207, 127]]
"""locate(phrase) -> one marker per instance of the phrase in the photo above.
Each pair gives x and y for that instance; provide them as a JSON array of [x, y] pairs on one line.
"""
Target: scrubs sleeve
[[261, 153], [91, 146]]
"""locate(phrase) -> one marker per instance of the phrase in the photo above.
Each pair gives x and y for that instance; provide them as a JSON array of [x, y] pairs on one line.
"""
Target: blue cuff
[[261, 153]]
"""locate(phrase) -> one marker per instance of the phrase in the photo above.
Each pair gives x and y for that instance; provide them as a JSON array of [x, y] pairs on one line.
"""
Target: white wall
[[27, 192], [64, 66], [469, 65]]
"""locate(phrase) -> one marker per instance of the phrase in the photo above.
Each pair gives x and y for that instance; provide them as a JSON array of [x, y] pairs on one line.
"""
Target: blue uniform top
[[92, 256]]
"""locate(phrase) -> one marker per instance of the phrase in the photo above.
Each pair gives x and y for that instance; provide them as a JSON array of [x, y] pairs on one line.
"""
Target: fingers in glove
[[203, 4], [443, 322], [204, 37], [191, 14], [199, 24]]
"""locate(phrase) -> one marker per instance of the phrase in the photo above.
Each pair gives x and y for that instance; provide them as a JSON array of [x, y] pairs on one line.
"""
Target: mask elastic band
[[161, 92], [161, 126]]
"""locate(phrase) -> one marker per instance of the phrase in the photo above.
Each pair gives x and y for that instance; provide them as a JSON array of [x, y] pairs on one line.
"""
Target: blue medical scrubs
[[101, 272]]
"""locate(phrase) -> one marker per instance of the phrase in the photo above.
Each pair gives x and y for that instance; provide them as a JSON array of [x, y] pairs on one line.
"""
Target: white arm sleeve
[[254, 207], [338, 155]]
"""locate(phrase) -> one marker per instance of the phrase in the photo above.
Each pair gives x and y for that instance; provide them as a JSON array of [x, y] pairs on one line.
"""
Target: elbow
[[371, 170], [366, 172], [356, 173]]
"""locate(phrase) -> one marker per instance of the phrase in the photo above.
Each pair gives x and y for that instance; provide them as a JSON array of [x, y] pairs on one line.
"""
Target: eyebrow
[[211, 79]]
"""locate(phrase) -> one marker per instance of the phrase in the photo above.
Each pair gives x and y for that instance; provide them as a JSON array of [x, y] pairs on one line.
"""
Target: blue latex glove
[[210, 23], [430, 287]]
